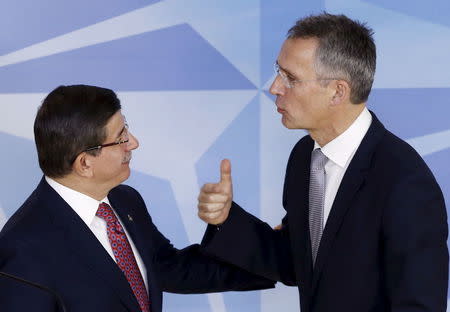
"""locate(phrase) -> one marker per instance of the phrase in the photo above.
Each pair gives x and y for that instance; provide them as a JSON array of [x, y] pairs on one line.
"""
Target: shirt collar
[[85, 206], [341, 149]]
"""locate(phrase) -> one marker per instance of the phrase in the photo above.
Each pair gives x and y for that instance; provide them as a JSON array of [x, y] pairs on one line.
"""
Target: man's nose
[[133, 143], [277, 87]]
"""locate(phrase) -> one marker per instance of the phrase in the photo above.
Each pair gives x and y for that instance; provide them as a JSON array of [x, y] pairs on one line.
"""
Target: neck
[[83, 186], [336, 124]]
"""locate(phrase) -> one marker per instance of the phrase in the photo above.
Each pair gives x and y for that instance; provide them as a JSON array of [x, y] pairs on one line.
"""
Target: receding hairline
[[312, 52]]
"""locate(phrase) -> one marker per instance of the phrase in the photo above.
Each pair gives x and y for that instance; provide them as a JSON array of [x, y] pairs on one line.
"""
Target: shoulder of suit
[[26, 220], [304, 142], [124, 190], [398, 149], [26, 229], [396, 159]]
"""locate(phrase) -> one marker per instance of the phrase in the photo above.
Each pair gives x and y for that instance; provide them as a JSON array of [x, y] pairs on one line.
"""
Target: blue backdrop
[[193, 76]]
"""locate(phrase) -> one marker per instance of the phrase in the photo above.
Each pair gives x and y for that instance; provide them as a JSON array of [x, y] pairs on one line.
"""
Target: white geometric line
[[19, 111], [269, 82], [186, 189], [216, 303], [282, 298], [431, 143], [3, 218], [233, 29], [156, 16]]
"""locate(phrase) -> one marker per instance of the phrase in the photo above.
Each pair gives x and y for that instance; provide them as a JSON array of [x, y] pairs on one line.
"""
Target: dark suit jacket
[[384, 244], [46, 242]]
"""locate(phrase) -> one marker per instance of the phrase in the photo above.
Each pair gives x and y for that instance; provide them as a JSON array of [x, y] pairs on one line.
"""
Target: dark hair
[[70, 120], [346, 50]]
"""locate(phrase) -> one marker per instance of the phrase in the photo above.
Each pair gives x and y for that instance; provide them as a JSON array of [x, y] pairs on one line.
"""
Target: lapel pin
[[130, 218]]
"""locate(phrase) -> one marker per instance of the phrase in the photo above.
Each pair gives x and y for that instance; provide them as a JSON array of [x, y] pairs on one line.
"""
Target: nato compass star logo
[[193, 78]]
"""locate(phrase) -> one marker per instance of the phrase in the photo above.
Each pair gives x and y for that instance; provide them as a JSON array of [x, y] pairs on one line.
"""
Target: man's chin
[[125, 176], [286, 123], [290, 125]]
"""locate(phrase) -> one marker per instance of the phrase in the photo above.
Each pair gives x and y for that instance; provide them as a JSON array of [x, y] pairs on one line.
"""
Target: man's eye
[[290, 78], [120, 139]]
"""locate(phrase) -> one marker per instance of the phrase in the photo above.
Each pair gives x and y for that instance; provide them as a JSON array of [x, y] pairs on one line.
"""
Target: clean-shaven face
[[306, 104]]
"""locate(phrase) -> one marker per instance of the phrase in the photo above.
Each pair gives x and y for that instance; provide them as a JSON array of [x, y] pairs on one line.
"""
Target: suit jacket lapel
[[79, 241], [296, 201], [128, 218], [351, 183]]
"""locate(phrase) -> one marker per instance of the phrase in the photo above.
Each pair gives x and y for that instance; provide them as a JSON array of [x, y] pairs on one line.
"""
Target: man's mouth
[[279, 109]]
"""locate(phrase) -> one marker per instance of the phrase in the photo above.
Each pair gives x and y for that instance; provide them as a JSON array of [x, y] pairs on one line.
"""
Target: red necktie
[[124, 255]]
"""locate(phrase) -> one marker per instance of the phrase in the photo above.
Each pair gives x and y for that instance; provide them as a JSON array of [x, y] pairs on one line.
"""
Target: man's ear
[[341, 90], [83, 165]]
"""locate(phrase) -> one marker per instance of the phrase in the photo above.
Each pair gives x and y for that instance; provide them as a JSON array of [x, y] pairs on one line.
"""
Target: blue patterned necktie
[[316, 199]]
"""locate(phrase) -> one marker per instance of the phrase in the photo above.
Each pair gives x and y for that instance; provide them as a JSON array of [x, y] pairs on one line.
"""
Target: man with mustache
[[87, 237]]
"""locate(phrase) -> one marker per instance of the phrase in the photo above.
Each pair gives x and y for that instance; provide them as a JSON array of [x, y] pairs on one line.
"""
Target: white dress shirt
[[340, 152], [86, 208]]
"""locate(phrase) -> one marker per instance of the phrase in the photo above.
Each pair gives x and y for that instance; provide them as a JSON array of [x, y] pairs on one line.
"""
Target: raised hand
[[214, 201]]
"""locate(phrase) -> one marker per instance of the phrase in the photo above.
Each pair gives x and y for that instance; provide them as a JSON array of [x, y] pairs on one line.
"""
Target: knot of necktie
[[105, 212], [318, 159]]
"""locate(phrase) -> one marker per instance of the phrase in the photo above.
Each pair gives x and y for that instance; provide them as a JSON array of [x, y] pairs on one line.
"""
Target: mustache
[[127, 157]]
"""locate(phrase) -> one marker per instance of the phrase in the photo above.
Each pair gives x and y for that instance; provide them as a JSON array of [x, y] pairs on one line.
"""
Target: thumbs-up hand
[[214, 201]]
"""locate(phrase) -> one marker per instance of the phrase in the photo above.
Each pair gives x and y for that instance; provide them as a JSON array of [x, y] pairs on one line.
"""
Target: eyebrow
[[121, 131], [286, 71]]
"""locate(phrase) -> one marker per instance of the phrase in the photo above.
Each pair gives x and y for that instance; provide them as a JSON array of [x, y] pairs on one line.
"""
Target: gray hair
[[346, 50]]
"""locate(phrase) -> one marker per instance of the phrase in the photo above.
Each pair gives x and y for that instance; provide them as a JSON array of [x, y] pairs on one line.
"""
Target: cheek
[[307, 99], [297, 102], [115, 160]]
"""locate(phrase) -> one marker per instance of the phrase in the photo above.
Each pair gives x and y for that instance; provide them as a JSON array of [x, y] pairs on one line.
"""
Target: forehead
[[298, 53], [115, 124]]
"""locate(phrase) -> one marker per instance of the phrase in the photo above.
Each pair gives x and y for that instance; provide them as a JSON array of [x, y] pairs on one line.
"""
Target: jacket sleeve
[[190, 270], [247, 242]]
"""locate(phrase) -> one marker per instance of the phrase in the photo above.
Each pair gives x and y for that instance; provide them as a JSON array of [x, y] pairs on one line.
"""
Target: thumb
[[225, 171]]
